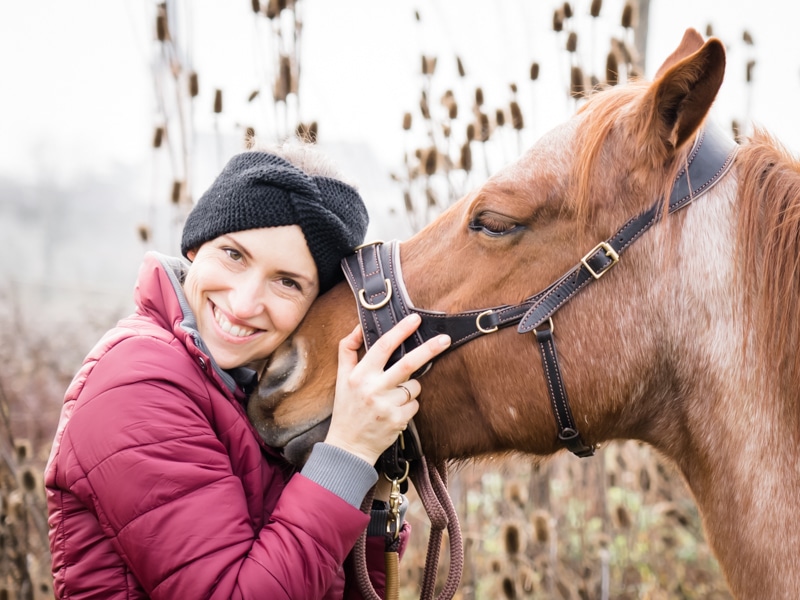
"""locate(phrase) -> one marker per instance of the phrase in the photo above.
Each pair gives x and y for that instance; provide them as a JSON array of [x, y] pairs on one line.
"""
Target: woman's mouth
[[239, 331]]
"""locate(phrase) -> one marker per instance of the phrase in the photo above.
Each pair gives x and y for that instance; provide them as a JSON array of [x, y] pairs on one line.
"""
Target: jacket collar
[[159, 292]]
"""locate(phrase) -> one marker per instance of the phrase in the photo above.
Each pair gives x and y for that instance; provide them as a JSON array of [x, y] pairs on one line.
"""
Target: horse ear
[[692, 42], [685, 91]]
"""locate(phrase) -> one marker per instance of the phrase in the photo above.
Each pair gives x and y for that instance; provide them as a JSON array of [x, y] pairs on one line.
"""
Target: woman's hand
[[371, 408]]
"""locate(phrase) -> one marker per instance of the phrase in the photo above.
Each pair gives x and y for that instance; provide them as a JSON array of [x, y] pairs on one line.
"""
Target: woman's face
[[249, 290]]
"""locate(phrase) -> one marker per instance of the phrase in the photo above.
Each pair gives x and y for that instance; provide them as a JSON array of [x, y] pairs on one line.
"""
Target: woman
[[158, 485]]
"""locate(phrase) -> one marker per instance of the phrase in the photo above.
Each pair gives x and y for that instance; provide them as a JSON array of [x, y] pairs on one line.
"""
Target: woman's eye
[[493, 226], [233, 254], [290, 283]]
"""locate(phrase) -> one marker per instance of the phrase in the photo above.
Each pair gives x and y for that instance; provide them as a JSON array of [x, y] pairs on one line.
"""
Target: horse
[[687, 342]]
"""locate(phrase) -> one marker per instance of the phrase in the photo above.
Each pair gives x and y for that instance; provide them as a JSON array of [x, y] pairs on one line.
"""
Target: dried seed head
[[572, 41], [274, 8], [627, 15], [594, 10], [496, 566], [500, 117], [253, 95], [747, 38], [23, 450], [29, 479], [509, 589], [256, 6], [576, 85], [471, 132], [452, 110], [516, 116], [478, 96], [485, 128], [162, 28], [612, 69], [194, 85], [644, 479], [428, 65], [417, 16], [709, 30], [430, 196], [465, 157], [217, 101], [513, 87], [158, 137], [736, 129], [534, 71], [176, 191], [567, 10], [751, 64], [448, 98], [460, 66], [513, 540], [446, 130], [407, 121], [429, 162], [558, 19], [144, 233], [541, 526], [623, 517]]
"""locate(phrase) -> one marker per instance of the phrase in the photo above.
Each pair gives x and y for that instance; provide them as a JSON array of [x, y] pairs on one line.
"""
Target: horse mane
[[768, 240]]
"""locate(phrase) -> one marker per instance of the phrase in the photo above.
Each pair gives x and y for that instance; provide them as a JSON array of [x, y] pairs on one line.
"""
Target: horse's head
[[524, 228]]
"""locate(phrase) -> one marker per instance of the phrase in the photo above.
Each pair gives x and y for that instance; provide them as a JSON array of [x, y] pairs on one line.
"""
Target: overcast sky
[[77, 89]]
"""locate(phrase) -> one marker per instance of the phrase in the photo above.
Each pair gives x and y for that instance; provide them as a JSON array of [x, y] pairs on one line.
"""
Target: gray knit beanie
[[258, 189]]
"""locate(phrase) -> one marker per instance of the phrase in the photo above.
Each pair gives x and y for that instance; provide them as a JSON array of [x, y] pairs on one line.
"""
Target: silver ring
[[408, 393]]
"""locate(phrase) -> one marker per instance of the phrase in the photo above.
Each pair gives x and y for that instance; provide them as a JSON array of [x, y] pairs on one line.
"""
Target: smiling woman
[[158, 484]]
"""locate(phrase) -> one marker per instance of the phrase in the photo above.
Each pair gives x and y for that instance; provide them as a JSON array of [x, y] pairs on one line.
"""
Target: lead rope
[[431, 485], [430, 482]]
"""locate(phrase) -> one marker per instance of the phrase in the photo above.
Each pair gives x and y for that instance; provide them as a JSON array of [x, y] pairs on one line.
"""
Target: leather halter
[[375, 276]]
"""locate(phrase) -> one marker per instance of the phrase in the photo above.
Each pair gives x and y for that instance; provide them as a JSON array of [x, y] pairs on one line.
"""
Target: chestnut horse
[[690, 343]]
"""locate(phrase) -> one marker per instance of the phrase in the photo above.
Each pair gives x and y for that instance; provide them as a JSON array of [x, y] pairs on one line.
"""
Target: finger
[[382, 349], [418, 358], [413, 387], [406, 394], [348, 350]]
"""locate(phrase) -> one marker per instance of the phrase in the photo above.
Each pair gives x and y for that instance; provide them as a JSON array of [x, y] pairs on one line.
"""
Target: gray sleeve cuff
[[340, 472]]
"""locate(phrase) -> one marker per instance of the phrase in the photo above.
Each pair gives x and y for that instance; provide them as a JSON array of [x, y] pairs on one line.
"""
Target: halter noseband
[[375, 276]]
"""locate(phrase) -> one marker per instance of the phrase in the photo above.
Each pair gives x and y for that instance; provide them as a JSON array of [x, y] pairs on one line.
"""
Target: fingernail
[[414, 317], [444, 340]]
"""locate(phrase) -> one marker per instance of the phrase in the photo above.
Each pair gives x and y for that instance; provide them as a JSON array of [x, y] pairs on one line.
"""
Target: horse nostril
[[283, 375]]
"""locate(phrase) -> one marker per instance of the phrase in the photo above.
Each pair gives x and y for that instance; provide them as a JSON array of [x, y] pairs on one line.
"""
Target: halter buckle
[[362, 297], [610, 253]]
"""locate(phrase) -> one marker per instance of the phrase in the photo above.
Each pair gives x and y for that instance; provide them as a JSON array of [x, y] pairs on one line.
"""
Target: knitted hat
[[258, 189]]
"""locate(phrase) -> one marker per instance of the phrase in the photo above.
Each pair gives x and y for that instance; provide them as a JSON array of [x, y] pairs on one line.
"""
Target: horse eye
[[492, 226]]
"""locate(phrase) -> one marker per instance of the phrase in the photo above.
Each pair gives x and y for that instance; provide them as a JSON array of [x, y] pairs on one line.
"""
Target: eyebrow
[[282, 272]]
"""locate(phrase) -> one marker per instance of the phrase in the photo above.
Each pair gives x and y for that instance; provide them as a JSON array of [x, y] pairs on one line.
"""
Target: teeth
[[230, 328]]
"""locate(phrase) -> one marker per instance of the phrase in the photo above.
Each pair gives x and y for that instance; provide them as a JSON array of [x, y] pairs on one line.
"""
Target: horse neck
[[735, 436]]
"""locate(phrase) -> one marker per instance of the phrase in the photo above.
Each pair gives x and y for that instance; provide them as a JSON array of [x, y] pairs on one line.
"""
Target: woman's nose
[[248, 297]]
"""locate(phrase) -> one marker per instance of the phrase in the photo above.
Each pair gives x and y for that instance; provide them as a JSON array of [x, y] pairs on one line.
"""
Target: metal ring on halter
[[365, 244], [362, 297], [478, 322], [550, 322], [400, 479]]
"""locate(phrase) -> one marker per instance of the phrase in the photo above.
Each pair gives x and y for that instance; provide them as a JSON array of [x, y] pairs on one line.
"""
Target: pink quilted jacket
[[159, 487]]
